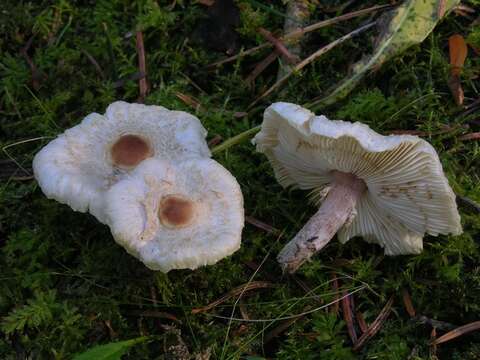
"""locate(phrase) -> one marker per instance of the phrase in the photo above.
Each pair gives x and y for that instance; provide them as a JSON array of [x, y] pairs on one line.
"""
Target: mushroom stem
[[346, 189]]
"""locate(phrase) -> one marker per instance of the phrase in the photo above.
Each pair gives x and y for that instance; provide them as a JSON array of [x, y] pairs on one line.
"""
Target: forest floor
[[66, 286]]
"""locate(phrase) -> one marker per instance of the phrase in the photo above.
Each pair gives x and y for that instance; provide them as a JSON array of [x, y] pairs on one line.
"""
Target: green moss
[[67, 286]]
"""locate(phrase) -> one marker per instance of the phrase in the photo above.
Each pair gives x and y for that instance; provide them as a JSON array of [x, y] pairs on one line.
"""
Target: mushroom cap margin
[[408, 194], [75, 168], [214, 234]]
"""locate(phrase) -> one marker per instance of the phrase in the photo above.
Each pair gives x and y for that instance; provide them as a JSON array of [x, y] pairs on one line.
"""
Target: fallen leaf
[[409, 24]]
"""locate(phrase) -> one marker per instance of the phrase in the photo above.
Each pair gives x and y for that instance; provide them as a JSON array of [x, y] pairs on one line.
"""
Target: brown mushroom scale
[[339, 205], [130, 150], [176, 211]]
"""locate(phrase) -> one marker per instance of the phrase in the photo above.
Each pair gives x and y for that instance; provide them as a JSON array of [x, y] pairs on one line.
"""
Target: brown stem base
[[344, 193]]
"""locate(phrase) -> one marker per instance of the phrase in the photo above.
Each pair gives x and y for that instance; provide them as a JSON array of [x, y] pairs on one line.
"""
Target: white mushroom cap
[[83, 162], [177, 216], [407, 192]]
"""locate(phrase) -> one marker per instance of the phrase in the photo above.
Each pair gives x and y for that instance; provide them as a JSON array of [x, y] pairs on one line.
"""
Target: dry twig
[[295, 34], [261, 225], [348, 317], [407, 301], [234, 292], [462, 330], [94, 63], [362, 324], [261, 66], [310, 59], [142, 67], [279, 46], [375, 326], [335, 307]]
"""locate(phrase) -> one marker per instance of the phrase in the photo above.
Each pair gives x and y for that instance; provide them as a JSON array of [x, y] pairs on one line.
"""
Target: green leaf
[[407, 25], [111, 351]]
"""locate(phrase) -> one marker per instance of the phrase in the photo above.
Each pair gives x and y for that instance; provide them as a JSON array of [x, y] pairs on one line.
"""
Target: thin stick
[[360, 288], [94, 63], [310, 59], [407, 301], [462, 330], [348, 317], [361, 322], [262, 65], [36, 76], [335, 307], [236, 139], [142, 67], [375, 326], [234, 292], [471, 136], [261, 225], [279, 46], [298, 13], [293, 35]]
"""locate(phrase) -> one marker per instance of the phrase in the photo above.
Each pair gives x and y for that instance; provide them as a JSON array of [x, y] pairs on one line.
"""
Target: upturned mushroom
[[390, 190], [81, 164], [174, 216]]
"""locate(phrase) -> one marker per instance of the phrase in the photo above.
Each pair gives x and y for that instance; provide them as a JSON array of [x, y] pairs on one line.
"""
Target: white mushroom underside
[[76, 168], [215, 231], [407, 194]]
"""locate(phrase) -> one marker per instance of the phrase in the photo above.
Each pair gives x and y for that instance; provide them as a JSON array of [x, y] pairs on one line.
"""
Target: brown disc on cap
[[175, 211], [130, 150]]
